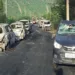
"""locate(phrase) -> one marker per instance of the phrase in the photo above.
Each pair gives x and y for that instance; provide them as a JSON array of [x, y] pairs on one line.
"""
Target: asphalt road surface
[[32, 56]]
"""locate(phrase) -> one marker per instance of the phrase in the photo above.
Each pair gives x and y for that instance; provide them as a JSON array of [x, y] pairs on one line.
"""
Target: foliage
[[2, 15], [10, 20], [57, 13], [25, 17]]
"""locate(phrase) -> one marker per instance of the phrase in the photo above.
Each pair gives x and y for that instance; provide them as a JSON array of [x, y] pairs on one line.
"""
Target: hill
[[21, 8]]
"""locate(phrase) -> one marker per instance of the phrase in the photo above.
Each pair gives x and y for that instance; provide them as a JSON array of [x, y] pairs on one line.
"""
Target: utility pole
[[67, 10]]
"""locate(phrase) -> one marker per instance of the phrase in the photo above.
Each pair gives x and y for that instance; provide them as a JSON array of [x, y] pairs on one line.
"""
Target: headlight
[[57, 45]]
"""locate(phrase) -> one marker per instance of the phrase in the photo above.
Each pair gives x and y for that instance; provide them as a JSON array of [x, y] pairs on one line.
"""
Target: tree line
[[57, 13], [2, 12]]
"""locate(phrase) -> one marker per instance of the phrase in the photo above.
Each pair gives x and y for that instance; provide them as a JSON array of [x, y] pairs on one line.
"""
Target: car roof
[[17, 22], [68, 22], [24, 20]]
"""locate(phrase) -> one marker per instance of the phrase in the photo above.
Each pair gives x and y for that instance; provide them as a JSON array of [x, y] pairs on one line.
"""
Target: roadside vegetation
[[2, 13], [57, 13]]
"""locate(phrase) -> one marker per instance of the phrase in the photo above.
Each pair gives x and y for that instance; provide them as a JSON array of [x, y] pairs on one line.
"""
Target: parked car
[[41, 23], [18, 29], [45, 24], [7, 37], [26, 24], [64, 44]]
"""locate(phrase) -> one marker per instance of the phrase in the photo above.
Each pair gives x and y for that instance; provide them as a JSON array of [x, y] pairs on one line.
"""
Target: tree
[[57, 13], [2, 15]]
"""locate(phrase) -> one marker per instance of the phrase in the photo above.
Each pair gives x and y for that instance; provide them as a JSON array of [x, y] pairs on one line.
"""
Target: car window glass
[[1, 30], [66, 28], [18, 26], [46, 22]]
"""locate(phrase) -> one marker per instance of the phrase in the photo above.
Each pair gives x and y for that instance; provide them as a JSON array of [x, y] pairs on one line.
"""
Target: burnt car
[[7, 36], [64, 44]]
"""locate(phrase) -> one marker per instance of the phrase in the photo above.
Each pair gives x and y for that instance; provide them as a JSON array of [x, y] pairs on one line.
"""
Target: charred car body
[[18, 29], [26, 25], [7, 37]]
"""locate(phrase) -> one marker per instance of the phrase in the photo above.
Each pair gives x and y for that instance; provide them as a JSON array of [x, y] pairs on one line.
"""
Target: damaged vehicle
[[64, 44], [7, 37], [18, 29], [26, 25]]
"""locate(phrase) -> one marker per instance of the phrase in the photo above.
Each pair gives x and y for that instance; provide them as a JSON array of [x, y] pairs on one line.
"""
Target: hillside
[[21, 8]]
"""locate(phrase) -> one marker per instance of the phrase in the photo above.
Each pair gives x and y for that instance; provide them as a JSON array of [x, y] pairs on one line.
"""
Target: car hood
[[66, 40]]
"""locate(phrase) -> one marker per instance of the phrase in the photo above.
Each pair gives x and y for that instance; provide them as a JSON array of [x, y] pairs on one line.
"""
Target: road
[[32, 56]]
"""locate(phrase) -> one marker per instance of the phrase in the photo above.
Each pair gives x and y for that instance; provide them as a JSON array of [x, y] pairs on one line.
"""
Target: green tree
[[57, 13], [2, 15]]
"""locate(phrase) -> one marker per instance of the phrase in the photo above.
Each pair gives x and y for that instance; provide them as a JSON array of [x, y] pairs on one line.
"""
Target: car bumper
[[59, 57], [47, 28], [2, 46]]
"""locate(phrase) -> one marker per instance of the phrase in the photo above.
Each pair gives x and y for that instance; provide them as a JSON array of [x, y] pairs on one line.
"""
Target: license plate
[[69, 55]]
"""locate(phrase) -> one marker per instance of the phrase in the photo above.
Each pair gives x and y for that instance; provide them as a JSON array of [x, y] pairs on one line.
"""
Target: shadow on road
[[12, 47]]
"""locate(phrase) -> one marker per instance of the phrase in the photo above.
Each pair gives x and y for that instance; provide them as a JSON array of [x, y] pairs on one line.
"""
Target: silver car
[[7, 37]]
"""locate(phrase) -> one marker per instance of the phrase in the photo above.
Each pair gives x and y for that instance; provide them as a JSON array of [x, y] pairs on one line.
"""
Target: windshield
[[16, 26], [46, 22], [66, 29], [25, 22]]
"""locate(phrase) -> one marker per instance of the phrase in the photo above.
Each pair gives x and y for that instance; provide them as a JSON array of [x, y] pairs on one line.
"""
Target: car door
[[11, 35]]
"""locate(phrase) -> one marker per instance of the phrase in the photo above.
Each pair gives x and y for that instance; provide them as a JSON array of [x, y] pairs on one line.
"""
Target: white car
[[7, 37], [26, 24], [24, 21], [18, 29], [45, 24]]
